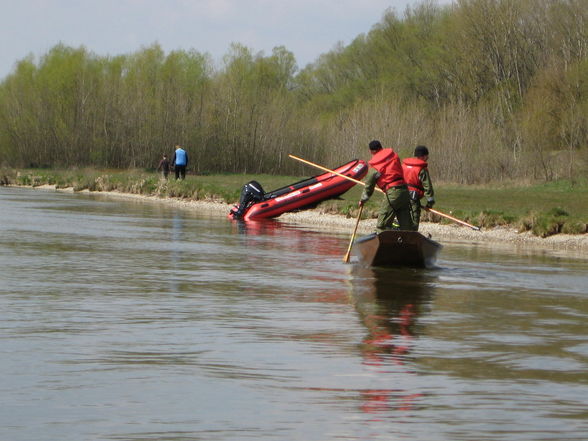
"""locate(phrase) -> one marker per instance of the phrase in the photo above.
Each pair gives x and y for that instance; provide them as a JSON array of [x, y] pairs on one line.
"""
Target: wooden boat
[[256, 204], [397, 248]]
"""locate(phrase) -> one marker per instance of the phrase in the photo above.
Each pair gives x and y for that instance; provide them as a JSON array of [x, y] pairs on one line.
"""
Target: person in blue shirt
[[180, 162]]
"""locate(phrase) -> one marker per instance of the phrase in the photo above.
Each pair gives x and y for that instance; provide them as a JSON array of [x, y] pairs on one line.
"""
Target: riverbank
[[316, 219], [544, 209]]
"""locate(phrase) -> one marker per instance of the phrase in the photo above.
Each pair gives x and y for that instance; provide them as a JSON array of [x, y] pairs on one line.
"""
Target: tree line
[[498, 90]]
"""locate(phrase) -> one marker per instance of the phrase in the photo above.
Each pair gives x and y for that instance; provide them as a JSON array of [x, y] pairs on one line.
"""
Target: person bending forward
[[386, 172]]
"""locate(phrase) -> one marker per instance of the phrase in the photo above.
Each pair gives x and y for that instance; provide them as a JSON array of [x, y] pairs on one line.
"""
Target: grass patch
[[553, 221]]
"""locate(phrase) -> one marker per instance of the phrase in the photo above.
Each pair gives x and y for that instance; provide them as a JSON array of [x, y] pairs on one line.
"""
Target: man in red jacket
[[386, 172], [419, 182]]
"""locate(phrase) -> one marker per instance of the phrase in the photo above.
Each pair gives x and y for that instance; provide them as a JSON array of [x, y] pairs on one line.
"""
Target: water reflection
[[389, 303], [271, 234], [175, 256]]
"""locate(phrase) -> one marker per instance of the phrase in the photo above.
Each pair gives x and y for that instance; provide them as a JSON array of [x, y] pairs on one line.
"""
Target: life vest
[[387, 163], [181, 157], [412, 168]]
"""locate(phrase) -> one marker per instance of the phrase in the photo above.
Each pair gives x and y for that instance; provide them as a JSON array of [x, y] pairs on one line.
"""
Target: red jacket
[[387, 163], [412, 168]]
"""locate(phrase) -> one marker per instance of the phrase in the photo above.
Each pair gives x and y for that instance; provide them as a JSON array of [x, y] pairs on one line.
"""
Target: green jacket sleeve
[[427, 184], [370, 184]]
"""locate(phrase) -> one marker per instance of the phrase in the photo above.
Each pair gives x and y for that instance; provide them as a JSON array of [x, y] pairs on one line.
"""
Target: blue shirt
[[181, 157]]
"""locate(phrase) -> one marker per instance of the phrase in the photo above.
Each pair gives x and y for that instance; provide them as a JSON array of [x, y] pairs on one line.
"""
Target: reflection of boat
[[273, 234], [397, 248], [256, 204], [389, 302], [386, 298]]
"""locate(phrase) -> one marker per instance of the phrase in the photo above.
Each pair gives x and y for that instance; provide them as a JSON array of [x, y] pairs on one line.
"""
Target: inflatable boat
[[255, 204]]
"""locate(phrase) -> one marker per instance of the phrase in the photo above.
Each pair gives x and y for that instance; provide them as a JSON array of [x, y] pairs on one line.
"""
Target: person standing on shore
[[419, 182], [386, 172], [180, 162], [164, 166]]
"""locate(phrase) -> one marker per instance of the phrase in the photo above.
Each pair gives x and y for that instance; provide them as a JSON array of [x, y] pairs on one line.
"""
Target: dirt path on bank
[[316, 220]]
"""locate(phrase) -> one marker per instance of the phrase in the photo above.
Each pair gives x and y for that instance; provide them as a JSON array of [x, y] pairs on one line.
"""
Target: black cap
[[375, 145], [421, 150]]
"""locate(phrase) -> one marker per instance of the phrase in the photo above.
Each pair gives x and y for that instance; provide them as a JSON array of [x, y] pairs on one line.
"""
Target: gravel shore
[[316, 220]]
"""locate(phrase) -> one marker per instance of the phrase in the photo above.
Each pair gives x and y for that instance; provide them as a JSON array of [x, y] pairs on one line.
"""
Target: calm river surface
[[124, 320]]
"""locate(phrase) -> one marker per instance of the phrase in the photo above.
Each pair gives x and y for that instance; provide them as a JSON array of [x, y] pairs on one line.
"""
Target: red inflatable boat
[[256, 204]]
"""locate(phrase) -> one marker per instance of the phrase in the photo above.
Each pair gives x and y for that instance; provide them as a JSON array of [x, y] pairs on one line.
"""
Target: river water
[[125, 320]]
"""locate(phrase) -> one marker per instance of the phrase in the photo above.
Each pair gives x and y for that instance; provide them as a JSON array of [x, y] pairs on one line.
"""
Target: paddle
[[465, 224], [332, 171], [473, 227], [348, 254]]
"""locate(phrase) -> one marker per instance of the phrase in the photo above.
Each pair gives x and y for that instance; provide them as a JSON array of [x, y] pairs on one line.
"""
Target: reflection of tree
[[388, 302], [176, 238]]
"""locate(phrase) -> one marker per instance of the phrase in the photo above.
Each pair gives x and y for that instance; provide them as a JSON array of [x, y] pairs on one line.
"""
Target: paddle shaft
[[348, 254], [473, 227], [349, 178], [465, 224]]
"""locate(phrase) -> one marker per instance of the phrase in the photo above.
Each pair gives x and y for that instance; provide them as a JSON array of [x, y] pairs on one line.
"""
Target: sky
[[307, 28]]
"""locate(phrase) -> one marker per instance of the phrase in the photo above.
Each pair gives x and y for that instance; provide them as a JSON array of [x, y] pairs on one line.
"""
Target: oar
[[382, 191], [465, 224], [349, 178], [348, 254]]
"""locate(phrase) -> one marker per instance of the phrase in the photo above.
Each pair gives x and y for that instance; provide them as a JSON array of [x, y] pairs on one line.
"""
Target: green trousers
[[396, 204], [415, 213]]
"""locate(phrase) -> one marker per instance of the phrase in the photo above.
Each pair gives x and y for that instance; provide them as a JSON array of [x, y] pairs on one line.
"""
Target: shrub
[[550, 222], [557, 212], [490, 218], [574, 228], [526, 223], [546, 226]]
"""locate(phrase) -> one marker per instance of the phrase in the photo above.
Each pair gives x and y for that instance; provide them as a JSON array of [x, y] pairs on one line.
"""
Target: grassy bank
[[545, 209]]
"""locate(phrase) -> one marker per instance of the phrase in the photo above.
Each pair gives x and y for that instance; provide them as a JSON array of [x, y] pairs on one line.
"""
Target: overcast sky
[[307, 28]]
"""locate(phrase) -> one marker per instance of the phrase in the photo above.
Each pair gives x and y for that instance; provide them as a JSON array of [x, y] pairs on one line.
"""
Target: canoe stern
[[397, 248]]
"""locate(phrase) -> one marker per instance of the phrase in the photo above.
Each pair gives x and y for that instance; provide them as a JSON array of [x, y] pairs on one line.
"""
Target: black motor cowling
[[250, 193]]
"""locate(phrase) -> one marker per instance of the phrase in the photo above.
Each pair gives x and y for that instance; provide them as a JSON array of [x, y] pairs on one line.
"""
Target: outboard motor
[[252, 192]]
